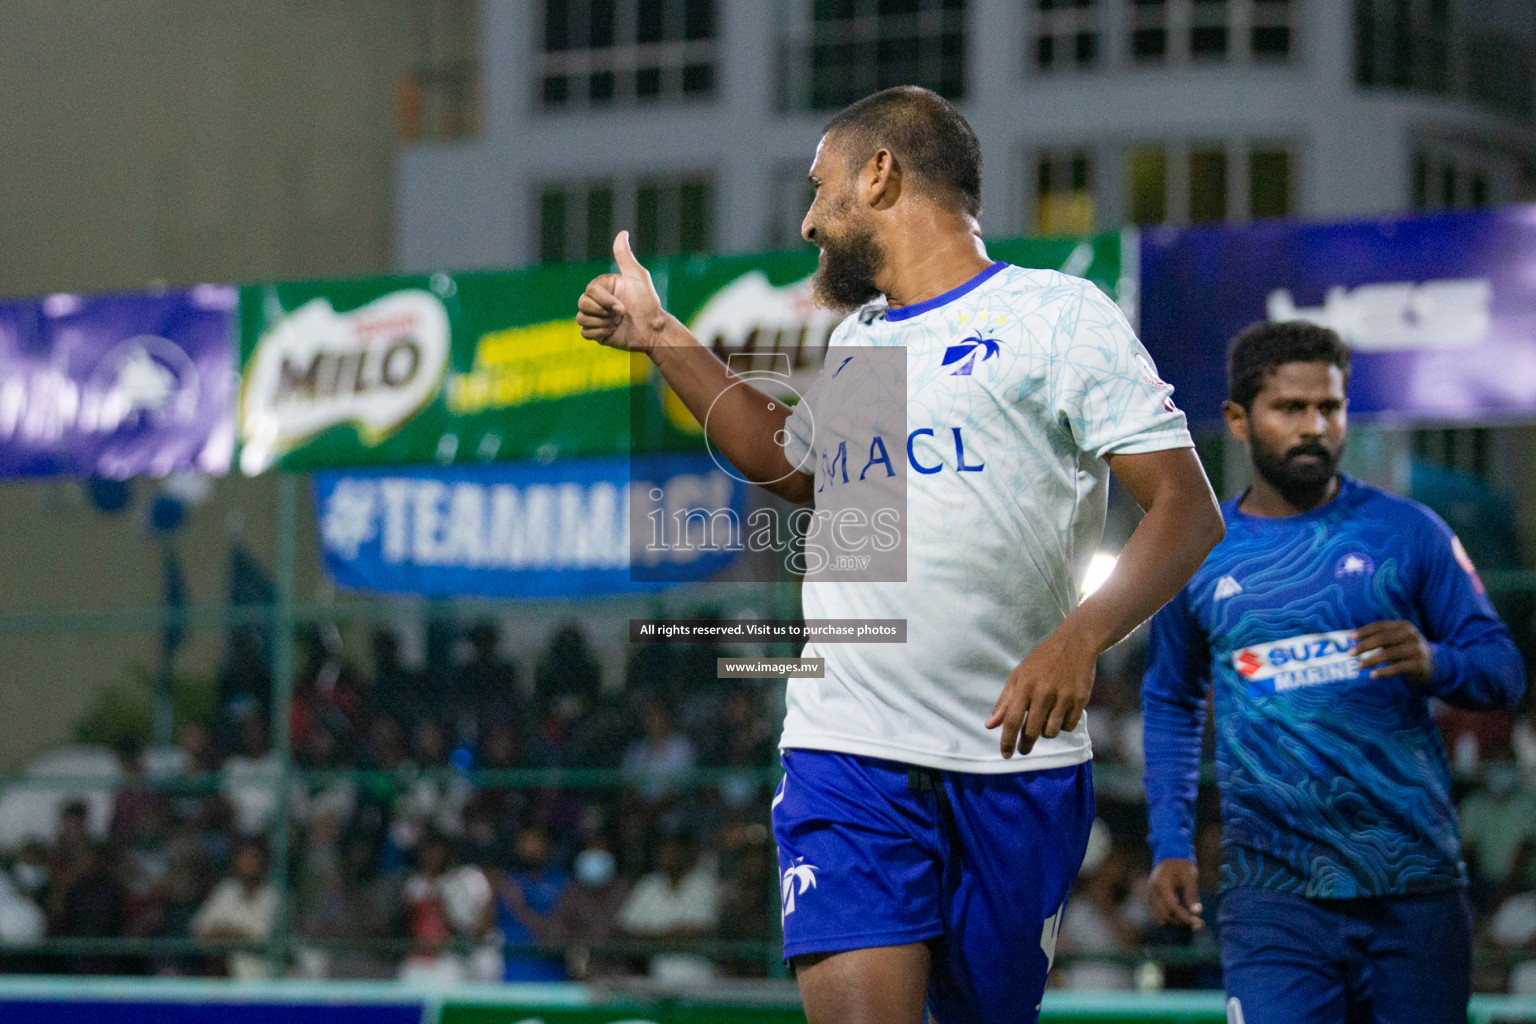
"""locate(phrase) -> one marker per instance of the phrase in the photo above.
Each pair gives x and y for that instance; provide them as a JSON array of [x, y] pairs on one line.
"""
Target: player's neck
[[934, 253], [1267, 502]]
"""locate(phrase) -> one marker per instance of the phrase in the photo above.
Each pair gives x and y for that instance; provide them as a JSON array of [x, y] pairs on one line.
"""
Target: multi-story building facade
[[694, 121]]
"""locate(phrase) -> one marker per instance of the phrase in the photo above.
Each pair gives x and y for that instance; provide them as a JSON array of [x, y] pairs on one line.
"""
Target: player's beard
[[846, 272], [1301, 483]]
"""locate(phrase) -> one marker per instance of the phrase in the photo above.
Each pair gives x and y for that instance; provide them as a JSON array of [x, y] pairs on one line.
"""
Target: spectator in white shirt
[[659, 755], [241, 908], [678, 901]]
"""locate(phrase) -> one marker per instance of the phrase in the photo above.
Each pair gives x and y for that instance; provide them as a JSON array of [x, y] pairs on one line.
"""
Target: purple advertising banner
[[1440, 311], [118, 385]]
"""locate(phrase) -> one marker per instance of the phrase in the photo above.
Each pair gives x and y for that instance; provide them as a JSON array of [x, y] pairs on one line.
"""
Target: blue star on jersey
[[1334, 785]]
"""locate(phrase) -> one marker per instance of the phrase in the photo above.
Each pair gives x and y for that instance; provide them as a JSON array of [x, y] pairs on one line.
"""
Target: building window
[[1199, 31], [838, 51], [1148, 186], [1208, 183], [1500, 72], [1451, 174], [1208, 30], [1064, 193], [668, 217], [440, 96], [1148, 23], [1208, 186], [1403, 44], [1269, 183], [1064, 34], [600, 53], [1269, 31]]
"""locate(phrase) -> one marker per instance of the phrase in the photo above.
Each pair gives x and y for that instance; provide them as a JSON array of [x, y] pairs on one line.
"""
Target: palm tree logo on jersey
[[802, 874], [966, 351]]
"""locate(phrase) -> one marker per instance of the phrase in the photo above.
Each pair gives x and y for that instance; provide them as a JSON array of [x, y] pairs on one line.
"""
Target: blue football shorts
[[1387, 960], [880, 853]]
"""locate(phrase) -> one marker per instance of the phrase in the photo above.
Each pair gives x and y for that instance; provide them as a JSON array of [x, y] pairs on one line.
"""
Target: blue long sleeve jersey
[[1333, 785]]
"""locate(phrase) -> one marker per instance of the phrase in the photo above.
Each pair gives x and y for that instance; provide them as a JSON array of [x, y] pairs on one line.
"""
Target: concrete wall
[[192, 141]]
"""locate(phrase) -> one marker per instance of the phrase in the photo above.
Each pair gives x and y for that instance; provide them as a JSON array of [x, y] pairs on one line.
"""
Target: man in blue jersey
[[1324, 622], [924, 858]]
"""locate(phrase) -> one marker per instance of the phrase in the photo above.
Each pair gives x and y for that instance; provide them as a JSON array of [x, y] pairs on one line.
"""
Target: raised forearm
[[742, 422]]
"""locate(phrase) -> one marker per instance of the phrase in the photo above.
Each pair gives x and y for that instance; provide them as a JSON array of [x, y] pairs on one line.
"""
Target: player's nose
[[808, 229]]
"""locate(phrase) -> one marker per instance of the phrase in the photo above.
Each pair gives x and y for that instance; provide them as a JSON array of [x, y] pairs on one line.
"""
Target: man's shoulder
[[1040, 285], [1370, 501]]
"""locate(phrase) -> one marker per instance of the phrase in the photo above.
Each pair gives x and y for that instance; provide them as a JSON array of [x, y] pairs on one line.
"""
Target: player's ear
[[1237, 421], [881, 178]]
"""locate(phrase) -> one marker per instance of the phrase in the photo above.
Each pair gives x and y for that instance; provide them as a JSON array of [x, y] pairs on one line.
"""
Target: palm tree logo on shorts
[[802, 874]]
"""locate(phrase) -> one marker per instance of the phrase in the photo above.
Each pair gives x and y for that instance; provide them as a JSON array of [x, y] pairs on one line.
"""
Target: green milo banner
[[491, 367]]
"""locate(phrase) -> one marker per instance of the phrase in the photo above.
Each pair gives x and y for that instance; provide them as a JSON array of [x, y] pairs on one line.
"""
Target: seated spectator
[[678, 901], [432, 802], [30, 871], [587, 912], [396, 689], [241, 909], [89, 905], [21, 920], [346, 900], [488, 685], [199, 754], [525, 897], [493, 808], [1498, 824], [147, 862], [1095, 922], [186, 885], [133, 801], [72, 840], [747, 907], [250, 779], [653, 761], [445, 905], [334, 797], [742, 735]]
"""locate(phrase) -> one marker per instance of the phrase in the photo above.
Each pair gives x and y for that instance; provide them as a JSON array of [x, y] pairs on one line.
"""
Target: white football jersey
[[1018, 384]]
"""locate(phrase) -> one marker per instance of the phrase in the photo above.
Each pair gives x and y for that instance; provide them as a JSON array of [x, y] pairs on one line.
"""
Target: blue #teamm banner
[[1439, 311], [523, 530]]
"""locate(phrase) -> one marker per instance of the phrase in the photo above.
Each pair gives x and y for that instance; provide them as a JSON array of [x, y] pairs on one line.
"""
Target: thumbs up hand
[[622, 310]]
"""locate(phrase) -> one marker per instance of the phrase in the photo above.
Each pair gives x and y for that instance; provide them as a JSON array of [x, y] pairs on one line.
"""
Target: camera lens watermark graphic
[[844, 429], [778, 383]]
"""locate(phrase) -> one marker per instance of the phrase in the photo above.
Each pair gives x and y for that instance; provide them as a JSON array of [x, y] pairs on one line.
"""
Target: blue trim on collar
[[908, 312]]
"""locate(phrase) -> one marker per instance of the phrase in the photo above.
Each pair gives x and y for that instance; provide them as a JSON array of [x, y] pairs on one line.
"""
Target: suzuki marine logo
[[1298, 661], [374, 367]]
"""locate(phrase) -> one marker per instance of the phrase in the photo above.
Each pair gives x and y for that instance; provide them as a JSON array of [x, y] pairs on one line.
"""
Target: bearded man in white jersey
[[927, 865]]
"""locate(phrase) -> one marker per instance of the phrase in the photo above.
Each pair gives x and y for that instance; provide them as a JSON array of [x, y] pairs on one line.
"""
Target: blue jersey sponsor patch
[[1313, 659]]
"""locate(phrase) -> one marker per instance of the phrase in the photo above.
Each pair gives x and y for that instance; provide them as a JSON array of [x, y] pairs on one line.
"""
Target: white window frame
[[1179, 18], [626, 192], [624, 60], [1239, 182], [800, 32], [1064, 25]]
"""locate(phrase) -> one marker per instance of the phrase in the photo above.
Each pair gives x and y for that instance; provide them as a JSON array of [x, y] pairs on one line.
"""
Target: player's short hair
[[1264, 346], [926, 134]]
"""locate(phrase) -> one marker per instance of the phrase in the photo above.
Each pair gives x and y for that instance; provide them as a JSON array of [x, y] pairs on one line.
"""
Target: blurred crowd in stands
[[424, 844]]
